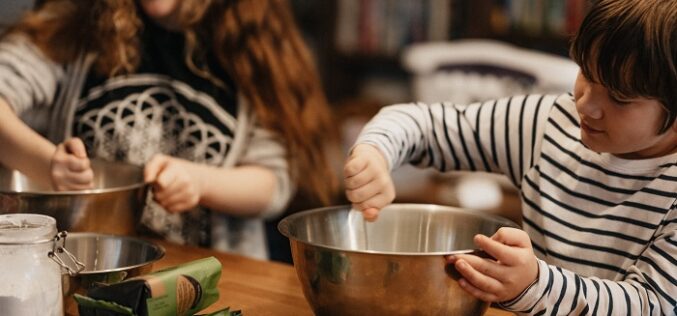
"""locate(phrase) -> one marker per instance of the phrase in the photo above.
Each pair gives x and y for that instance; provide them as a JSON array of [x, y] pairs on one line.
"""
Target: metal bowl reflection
[[394, 266], [113, 206], [107, 259]]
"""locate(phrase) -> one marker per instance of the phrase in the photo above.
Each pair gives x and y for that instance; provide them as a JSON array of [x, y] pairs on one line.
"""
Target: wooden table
[[256, 287], [253, 286]]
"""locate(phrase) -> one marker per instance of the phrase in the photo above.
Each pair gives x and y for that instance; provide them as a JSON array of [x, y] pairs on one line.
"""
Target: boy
[[597, 171]]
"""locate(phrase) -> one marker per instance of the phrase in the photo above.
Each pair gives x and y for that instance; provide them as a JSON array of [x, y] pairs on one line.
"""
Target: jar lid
[[25, 228]]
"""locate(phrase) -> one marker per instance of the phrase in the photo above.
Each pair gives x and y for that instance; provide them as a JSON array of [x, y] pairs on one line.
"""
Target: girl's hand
[[503, 279], [70, 168], [175, 187], [367, 179]]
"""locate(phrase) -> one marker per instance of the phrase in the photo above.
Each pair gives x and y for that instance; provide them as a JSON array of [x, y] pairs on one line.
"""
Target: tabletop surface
[[255, 287]]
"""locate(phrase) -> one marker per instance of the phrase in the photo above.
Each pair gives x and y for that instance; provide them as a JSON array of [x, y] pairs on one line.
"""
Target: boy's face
[[627, 128]]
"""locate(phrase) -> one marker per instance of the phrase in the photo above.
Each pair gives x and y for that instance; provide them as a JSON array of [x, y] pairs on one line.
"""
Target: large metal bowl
[[107, 259], [394, 266], [113, 206]]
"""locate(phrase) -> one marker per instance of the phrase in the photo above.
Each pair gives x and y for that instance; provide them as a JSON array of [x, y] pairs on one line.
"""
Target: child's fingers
[[75, 164], [512, 237], [176, 198], [175, 185], [84, 178], [153, 167], [73, 187], [364, 193], [487, 267], [477, 279], [359, 179], [370, 214], [474, 291], [378, 202], [177, 201], [76, 147], [166, 179], [354, 165], [178, 207], [161, 193], [503, 253]]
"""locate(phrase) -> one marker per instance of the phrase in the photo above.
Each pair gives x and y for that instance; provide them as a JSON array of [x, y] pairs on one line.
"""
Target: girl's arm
[[29, 80], [259, 186], [22, 148]]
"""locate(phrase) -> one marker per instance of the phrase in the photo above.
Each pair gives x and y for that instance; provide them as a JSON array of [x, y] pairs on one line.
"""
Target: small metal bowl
[[107, 259], [393, 266], [114, 206]]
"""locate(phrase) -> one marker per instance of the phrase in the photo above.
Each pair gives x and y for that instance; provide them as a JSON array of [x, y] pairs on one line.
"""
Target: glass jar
[[30, 280]]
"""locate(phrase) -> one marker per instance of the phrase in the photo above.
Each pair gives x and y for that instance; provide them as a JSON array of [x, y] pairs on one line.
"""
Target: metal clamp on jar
[[31, 263]]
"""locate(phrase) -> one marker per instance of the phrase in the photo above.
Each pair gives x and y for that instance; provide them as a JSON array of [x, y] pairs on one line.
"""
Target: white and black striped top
[[604, 228]]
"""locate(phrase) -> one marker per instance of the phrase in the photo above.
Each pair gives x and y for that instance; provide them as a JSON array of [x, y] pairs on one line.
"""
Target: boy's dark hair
[[630, 47]]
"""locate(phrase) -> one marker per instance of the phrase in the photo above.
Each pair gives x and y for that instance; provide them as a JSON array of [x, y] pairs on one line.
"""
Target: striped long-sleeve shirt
[[604, 228]]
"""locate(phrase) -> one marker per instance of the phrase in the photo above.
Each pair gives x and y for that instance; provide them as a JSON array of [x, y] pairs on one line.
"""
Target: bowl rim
[[76, 192], [161, 250], [93, 161], [283, 228]]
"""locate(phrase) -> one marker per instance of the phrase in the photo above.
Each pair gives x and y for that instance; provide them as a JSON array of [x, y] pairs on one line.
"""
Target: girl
[[219, 100]]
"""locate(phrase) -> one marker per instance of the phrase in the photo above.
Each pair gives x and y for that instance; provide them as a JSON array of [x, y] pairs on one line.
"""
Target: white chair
[[467, 71]]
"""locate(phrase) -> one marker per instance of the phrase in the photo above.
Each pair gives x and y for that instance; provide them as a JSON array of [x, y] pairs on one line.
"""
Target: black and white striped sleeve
[[27, 77], [495, 136], [648, 288]]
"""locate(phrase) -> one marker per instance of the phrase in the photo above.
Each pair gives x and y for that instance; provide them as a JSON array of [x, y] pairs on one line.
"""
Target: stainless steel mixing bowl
[[394, 266], [113, 206], [107, 259]]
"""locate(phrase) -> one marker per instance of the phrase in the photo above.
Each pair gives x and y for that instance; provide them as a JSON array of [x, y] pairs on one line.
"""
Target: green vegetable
[[105, 305], [224, 312]]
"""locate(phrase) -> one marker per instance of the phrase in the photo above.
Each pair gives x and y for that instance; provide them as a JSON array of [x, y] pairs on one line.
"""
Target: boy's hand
[[70, 168], [175, 187], [503, 279], [367, 179]]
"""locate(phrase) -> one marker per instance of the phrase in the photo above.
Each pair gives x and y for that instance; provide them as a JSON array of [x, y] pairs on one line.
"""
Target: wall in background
[[358, 42], [11, 11]]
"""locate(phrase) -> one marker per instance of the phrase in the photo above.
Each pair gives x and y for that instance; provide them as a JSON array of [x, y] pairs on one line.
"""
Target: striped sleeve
[[500, 136], [648, 288], [27, 77]]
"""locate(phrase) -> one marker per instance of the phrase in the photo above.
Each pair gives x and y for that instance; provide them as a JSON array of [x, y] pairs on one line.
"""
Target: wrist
[[49, 160], [362, 147], [375, 150], [532, 293], [199, 174], [519, 296]]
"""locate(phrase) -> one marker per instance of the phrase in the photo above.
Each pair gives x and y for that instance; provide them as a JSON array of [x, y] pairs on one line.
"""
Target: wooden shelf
[[343, 74]]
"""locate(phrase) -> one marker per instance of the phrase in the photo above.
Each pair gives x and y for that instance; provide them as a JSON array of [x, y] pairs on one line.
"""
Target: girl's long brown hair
[[255, 41]]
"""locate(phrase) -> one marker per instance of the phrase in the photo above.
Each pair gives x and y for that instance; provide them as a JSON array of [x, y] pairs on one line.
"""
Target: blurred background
[[372, 53]]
